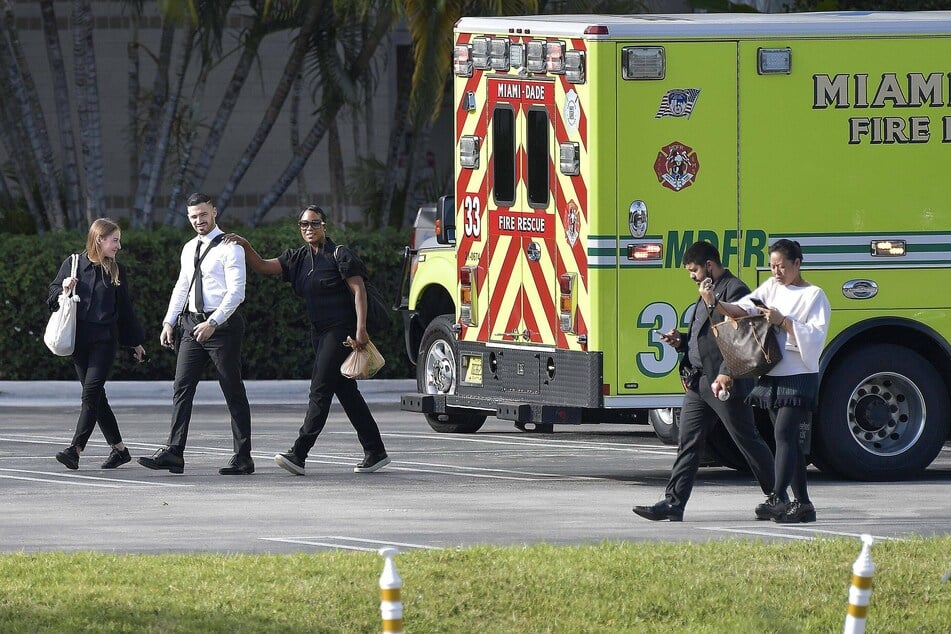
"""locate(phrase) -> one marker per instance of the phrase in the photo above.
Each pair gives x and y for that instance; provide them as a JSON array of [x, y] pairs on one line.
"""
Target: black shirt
[[101, 302], [320, 279]]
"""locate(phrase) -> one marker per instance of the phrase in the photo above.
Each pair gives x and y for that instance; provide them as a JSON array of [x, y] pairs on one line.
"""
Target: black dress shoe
[[239, 465], [797, 513], [165, 458], [69, 457], [117, 458], [772, 508], [660, 511]]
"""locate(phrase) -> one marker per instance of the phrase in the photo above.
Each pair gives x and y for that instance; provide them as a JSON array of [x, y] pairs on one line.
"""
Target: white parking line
[[70, 478], [805, 529], [741, 531], [312, 541]]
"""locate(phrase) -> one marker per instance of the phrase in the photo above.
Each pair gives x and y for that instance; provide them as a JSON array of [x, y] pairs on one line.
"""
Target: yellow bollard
[[391, 604], [861, 590]]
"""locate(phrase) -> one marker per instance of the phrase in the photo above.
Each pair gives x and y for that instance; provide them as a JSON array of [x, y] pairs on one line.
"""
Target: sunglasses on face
[[314, 224]]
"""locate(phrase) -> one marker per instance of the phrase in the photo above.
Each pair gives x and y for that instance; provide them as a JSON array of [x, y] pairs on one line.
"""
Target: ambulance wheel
[[666, 424], [882, 415], [436, 374]]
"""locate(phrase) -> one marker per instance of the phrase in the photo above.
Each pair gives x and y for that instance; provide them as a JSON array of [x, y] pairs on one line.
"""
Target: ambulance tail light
[[462, 60], [645, 252], [574, 67], [468, 313], [567, 301], [469, 152]]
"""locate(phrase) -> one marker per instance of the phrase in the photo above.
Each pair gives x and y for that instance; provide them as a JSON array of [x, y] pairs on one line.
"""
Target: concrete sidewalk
[[47, 393]]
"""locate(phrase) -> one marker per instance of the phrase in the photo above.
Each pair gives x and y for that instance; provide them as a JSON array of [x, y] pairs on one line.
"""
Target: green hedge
[[277, 341]]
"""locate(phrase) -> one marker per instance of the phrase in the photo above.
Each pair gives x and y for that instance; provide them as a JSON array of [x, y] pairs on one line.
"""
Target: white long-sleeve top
[[223, 279], [807, 307]]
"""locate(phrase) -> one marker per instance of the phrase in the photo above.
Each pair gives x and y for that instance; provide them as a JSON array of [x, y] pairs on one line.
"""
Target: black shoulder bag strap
[[215, 241]]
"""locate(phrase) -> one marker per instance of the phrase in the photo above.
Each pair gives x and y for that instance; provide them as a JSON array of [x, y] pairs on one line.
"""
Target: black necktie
[[199, 300]]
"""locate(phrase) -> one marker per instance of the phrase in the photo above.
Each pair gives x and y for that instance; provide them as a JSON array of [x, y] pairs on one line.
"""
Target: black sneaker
[[797, 513], [290, 461], [772, 508], [116, 458], [372, 462], [69, 457]]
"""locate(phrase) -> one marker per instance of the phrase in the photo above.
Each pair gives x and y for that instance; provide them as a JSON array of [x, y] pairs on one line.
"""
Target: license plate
[[472, 366]]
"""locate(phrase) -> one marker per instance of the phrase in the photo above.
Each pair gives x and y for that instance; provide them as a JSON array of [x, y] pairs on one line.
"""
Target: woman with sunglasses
[[331, 282]]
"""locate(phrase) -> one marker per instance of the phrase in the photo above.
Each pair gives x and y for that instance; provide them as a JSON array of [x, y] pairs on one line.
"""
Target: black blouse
[[320, 279], [100, 301]]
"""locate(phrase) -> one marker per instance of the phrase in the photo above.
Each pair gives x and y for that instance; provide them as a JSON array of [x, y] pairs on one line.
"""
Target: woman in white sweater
[[789, 391]]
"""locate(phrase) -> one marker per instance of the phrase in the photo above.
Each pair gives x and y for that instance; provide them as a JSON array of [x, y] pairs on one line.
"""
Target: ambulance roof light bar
[[574, 67], [462, 60], [535, 56], [499, 53], [555, 57], [480, 52]]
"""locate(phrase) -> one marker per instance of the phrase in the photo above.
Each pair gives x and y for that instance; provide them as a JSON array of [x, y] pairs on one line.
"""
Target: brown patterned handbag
[[748, 344]]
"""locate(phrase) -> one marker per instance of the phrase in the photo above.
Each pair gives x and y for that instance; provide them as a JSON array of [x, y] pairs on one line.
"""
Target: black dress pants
[[224, 350], [93, 357], [697, 417], [326, 381]]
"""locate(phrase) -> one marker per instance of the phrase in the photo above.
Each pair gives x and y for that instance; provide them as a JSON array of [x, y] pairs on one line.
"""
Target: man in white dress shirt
[[206, 304]]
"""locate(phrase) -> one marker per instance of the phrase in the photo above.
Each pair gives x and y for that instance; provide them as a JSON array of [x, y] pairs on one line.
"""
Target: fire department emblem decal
[[572, 110], [676, 166], [678, 102], [572, 223]]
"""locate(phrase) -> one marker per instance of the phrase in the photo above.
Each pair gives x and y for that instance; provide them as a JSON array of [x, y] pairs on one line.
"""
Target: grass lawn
[[717, 586]]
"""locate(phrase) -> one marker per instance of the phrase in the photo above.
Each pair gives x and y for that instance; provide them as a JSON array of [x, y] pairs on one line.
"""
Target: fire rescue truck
[[590, 151]]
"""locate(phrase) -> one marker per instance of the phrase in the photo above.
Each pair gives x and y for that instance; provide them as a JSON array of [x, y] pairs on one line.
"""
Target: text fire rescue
[[915, 91], [522, 224]]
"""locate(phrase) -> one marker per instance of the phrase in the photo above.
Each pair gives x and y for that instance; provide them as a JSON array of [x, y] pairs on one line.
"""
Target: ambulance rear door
[[677, 183], [522, 281]]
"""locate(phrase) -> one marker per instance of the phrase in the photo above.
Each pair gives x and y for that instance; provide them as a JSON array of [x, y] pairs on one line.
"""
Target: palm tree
[[64, 120], [86, 78], [339, 74], [20, 82]]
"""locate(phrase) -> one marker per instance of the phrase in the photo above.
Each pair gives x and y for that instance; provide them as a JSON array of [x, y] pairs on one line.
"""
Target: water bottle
[[724, 394]]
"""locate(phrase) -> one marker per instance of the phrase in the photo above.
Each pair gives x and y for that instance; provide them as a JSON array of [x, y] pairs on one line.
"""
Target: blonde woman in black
[[105, 321]]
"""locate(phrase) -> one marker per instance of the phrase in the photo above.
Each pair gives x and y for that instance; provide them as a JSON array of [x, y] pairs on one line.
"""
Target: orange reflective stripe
[[390, 594], [863, 583], [858, 611]]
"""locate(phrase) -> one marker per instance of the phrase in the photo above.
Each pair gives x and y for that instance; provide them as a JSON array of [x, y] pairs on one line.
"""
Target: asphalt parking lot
[[498, 486]]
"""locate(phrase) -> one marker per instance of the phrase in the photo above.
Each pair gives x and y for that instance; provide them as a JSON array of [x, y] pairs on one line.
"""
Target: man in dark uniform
[[705, 384]]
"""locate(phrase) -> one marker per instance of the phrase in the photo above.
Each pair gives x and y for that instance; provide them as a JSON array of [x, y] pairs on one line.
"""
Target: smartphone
[[757, 302]]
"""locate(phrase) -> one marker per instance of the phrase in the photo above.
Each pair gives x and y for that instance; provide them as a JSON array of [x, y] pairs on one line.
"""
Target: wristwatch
[[212, 323]]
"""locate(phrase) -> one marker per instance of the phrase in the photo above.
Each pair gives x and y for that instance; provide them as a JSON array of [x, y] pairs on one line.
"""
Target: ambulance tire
[[436, 374], [666, 424], [882, 415]]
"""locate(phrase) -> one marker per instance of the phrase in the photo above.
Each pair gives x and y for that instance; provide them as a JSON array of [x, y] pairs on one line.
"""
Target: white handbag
[[60, 335]]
